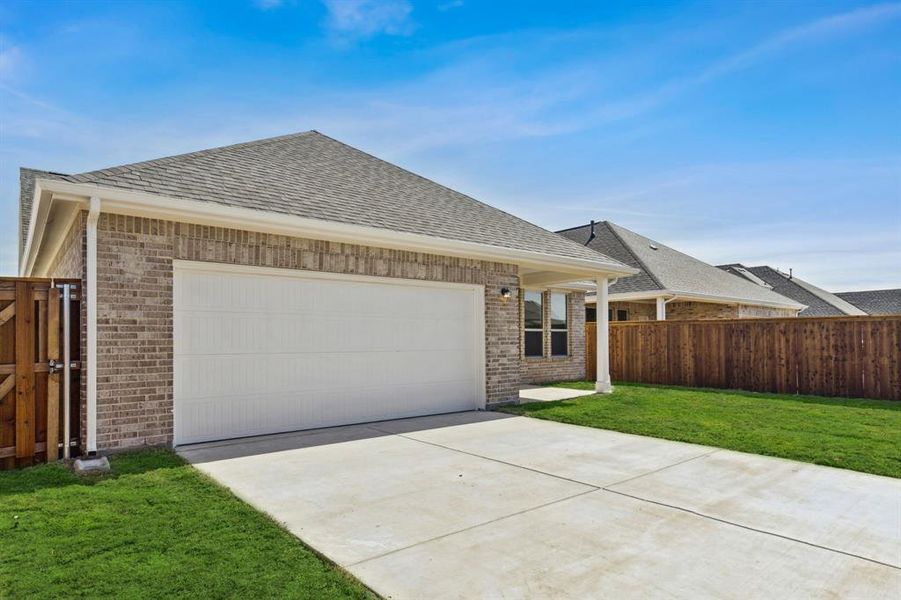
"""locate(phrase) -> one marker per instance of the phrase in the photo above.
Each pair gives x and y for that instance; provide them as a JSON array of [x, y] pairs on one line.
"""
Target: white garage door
[[268, 350]]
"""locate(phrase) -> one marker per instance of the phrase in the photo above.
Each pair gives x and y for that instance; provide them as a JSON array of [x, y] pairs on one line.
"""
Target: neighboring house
[[875, 302], [294, 283], [820, 303], [672, 285]]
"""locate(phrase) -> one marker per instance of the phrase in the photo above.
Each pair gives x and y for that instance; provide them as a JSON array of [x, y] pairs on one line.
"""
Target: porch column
[[661, 309], [603, 385]]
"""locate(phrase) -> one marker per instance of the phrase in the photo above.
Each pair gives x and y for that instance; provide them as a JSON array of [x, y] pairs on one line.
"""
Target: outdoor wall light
[[506, 294]]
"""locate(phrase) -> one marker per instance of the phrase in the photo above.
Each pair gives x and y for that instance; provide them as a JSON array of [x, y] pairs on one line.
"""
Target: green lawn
[[863, 435], [155, 528]]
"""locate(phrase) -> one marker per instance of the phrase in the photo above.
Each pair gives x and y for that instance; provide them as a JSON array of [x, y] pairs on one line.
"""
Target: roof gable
[[664, 269]]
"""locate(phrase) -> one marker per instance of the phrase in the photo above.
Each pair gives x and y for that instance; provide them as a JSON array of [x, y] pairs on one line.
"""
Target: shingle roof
[[875, 302], [820, 303], [665, 269], [311, 175]]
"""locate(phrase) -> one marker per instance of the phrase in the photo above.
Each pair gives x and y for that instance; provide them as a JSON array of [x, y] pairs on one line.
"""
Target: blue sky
[[759, 132]]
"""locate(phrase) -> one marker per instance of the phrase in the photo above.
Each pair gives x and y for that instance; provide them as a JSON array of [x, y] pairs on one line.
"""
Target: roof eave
[[694, 296], [144, 204]]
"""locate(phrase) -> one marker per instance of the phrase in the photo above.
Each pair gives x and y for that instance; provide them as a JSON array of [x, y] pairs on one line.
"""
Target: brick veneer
[[558, 368], [134, 288], [687, 311]]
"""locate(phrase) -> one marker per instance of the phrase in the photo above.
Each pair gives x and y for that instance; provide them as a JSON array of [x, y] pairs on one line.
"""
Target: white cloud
[[366, 18]]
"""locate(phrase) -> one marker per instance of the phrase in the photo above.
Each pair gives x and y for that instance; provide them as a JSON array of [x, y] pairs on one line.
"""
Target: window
[[620, 314], [533, 317], [591, 314], [559, 320]]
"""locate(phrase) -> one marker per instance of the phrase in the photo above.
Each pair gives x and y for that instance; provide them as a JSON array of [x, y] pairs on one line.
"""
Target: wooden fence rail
[[829, 356], [31, 403]]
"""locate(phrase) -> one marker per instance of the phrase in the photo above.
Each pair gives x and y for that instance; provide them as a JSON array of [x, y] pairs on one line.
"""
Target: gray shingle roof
[[875, 302], [663, 268], [820, 303], [311, 175]]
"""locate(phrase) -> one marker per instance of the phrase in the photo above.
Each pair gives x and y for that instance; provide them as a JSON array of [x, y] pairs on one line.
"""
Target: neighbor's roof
[[664, 269], [875, 302], [314, 176], [820, 303]]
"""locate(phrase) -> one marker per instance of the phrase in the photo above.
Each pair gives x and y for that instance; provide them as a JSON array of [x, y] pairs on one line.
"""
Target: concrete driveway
[[484, 505]]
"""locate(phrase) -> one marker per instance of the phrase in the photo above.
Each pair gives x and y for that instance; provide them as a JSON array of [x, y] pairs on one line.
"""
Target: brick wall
[[135, 351], [558, 368], [638, 311], [686, 311], [761, 312]]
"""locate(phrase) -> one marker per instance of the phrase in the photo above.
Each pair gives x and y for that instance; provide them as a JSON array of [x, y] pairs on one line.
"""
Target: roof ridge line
[[131, 166], [458, 192], [609, 225]]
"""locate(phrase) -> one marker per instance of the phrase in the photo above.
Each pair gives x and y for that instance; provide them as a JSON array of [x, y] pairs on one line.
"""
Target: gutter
[[143, 204], [91, 299], [694, 297]]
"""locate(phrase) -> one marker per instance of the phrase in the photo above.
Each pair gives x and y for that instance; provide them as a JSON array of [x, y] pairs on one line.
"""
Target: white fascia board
[[695, 297], [143, 204], [29, 252]]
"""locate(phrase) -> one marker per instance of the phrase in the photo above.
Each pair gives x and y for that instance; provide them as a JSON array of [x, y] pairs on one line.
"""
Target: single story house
[[875, 302], [820, 303], [672, 285], [297, 282]]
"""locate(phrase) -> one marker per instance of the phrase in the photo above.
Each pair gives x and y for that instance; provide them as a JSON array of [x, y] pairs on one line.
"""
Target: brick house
[[296, 282], [672, 285]]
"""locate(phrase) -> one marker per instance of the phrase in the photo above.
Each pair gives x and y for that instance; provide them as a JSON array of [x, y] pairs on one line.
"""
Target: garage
[[260, 350]]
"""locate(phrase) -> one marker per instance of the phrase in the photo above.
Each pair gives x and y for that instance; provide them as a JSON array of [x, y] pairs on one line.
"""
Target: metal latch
[[55, 366]]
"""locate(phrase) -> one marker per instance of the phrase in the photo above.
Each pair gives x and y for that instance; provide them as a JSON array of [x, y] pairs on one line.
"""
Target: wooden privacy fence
[[827, 356], [31, 370]]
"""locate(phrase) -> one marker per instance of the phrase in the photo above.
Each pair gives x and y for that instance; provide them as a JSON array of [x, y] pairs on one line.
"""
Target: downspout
[[91, 299]]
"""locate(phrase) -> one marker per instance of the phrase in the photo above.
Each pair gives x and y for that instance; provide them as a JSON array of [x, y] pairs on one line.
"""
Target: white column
[[89, 296], [603, 385], [661, 309]]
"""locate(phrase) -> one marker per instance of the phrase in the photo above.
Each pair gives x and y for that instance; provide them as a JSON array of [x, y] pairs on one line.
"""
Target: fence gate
[[40, 375]]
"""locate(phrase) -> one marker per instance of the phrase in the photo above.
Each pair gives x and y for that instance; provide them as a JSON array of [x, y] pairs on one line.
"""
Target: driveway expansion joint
[[749, 528], [474, 526], [607, 488]]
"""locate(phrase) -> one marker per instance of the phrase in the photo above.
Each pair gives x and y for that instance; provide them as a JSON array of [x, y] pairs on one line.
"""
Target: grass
[[863, 435], [154, 528]]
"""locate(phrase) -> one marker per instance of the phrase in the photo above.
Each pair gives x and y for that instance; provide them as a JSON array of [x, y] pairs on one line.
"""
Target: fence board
[[826, 356], [30, 399]]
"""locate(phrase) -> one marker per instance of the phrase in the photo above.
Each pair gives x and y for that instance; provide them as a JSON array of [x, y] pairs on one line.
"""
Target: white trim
[[156, 206], [676, 295], [55, 245], [602, 384], [479, 291], [90, 297]]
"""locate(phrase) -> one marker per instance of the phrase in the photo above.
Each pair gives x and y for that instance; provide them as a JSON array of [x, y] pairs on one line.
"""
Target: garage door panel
[[280, 334], [246, 374], [257, 352]]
